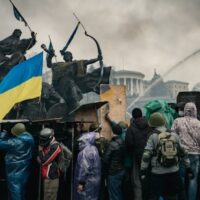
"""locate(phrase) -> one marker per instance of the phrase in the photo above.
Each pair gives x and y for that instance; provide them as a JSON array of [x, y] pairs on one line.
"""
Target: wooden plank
[[116, 96], [89, 115]]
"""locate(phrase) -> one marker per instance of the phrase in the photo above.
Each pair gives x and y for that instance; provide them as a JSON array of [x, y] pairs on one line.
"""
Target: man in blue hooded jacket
[[18, 149]]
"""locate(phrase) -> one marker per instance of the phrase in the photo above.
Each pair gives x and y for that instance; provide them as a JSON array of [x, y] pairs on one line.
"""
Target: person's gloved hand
[[3, 134], [143, 174], [107, 117], [189, 173], [81, 188]]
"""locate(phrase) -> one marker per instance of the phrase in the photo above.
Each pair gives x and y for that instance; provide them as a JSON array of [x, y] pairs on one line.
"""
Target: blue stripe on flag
[[22, 72]]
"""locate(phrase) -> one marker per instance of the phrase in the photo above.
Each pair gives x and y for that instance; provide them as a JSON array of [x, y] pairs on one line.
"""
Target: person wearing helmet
[[49, 151], [163, 150], [18, 149]]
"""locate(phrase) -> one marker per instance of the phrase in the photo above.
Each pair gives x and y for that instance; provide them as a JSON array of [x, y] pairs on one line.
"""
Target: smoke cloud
[[137, 35]]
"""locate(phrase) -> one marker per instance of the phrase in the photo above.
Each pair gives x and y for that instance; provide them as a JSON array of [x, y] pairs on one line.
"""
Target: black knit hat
[[136, 113]]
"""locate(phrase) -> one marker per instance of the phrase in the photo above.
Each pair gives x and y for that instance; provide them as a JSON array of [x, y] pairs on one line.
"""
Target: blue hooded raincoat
[[18, 157], [88, 168]]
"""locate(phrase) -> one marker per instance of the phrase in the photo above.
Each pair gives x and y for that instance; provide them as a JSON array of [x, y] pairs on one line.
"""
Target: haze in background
[[135, 35]]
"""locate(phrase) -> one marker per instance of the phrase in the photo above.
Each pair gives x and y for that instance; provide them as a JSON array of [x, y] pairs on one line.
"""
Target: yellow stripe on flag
[[27, 90]]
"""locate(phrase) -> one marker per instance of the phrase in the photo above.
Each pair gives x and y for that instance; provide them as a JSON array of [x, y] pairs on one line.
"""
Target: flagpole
[[26, 24], [19, 17], [29, 28], [70, 39], [53, 49]]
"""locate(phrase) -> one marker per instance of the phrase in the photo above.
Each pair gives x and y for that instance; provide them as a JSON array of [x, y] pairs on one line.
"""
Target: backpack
[[65, 158], [167, 151]]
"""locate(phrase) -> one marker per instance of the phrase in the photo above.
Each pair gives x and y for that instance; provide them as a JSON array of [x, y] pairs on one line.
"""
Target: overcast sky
[[137, 35]]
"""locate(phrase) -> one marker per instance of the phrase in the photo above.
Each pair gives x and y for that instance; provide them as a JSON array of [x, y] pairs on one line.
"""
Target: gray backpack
[[167, 151], [65, 159]]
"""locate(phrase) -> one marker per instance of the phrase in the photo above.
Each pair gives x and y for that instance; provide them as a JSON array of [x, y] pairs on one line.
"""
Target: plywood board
[[116, 96]]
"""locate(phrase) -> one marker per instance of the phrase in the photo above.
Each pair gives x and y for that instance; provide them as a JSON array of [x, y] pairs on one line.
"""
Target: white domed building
[[133, 81], [196, 87]]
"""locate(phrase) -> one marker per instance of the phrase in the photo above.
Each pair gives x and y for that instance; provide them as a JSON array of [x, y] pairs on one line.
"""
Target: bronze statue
[[37, 108], [70, 78], [68, 75], [13, 49]]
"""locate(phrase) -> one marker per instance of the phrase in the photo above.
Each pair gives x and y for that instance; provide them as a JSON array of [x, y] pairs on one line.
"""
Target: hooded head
[[87, 139], [190, 110]]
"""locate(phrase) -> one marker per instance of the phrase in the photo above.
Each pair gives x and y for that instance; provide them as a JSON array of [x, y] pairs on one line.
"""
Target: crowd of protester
[[144, 160]]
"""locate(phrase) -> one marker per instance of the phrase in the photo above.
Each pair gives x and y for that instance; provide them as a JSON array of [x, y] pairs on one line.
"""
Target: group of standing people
[[162, 163], [19, 149], [142, 161]]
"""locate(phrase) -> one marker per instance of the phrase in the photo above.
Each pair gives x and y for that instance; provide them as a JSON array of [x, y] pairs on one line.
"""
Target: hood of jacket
[[140, 123], [87, 139], [190, 110]]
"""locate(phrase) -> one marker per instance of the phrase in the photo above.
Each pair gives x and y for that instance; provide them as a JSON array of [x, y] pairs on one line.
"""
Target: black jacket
[[113, 159], [136, 137]]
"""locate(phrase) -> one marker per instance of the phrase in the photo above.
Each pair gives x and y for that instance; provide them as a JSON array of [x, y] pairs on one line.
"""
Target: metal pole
[[79, 22], [72, 163], [26, 24], [40, 181]]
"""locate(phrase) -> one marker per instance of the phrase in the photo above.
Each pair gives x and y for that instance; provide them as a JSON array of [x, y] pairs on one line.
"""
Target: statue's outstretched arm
[[50, 55], [32, 40], [91, 61]]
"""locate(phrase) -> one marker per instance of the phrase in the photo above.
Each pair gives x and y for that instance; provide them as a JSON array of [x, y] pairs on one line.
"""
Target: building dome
[[133, 81], [196, 87]]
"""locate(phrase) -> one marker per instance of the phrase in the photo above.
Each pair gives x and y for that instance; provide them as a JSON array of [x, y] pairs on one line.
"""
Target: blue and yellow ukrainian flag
[[22, 82]]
